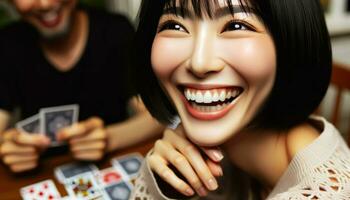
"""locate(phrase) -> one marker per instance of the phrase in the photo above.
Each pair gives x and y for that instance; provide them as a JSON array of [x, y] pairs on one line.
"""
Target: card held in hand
[[30, 125], [56, 118]]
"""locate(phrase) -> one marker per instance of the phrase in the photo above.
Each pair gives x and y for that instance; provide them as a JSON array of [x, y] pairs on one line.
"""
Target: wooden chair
[[341, 82]]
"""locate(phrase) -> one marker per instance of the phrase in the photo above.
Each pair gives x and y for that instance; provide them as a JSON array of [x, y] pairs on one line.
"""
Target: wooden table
[[11, 183]]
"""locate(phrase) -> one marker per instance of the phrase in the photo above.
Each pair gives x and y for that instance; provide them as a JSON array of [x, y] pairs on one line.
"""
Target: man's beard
[[53, 35]]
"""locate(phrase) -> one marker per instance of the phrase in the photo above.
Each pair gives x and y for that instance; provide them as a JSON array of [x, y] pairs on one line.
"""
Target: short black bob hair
[[303, 49]]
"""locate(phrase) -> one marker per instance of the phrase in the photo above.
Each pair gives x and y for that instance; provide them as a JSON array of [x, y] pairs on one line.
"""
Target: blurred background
[[337, 14]]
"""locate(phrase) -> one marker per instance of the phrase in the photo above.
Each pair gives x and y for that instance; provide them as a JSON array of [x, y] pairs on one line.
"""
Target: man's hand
[[87, 139], [21, 151]]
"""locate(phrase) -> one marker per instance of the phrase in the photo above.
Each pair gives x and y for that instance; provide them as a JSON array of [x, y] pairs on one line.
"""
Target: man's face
[[52, 18]]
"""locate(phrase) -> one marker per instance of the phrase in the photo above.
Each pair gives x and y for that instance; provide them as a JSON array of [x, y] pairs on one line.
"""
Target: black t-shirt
[[96, 82]]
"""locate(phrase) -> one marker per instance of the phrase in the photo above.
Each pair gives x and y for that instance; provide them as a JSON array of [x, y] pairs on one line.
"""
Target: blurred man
[[60, 54]]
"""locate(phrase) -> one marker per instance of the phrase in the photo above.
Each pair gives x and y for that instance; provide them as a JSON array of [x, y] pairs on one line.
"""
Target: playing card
[[130, 163], [67, 198], [45, 190], [29, 125], [83, 186], [109, 176], [56, 118], [67, 171], [117, 191]]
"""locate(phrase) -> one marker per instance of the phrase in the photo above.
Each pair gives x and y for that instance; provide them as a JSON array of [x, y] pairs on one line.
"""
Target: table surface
[[11, 183]]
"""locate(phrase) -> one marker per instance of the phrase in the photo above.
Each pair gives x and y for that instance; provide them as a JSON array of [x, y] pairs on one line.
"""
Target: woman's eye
[[237, 26], [171, 25]]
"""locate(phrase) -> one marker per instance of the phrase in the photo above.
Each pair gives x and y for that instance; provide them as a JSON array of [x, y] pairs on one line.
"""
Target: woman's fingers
[[194, 156], [215, 168], [182, 165], [214, 153], [160, 167]]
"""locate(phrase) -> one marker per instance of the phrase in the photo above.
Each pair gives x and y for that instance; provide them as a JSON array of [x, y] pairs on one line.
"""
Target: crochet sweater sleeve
[[146, 187], [320, 171]]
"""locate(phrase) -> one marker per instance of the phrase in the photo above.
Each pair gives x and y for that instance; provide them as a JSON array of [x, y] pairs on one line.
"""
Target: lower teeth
[[208, 108]]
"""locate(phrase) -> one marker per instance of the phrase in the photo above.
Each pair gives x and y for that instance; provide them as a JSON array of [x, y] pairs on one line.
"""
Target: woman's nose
[[205, 59]]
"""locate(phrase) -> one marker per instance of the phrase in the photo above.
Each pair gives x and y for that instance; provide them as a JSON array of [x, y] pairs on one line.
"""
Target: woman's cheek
[[254, 59], [168, 54]]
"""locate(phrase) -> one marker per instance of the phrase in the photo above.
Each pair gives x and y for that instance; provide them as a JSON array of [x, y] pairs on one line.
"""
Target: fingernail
[[212, 184], [218, 155], [202, 192], [189, 192]]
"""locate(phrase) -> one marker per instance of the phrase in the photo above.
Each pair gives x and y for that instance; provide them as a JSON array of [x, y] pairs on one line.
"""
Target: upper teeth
[[209, 96], [50, 16]]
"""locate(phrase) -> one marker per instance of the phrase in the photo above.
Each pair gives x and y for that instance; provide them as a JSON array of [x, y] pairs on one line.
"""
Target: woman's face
[[217, 71]]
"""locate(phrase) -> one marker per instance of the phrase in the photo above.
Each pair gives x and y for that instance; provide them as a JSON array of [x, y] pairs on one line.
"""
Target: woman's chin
[[205, 140]]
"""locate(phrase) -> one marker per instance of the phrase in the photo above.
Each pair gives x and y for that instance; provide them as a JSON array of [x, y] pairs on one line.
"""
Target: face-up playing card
[[56, 118], [67, 171], [117, 191], [67, 198], [130, 163], [30, 125], [109, 176], [83, 186], [45, 190]]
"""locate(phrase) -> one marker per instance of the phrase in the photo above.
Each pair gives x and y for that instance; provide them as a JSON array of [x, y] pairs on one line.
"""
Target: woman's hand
[[175, 149], [87, 139], [21, 151]]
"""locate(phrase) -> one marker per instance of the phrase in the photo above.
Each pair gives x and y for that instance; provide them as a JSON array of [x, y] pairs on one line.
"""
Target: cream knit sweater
[[319, 171]]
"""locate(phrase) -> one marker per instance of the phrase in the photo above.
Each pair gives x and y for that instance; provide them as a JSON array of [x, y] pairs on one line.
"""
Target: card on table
[[67, 171], [30, 125], [45, 190], [56, 118], [117, 191], [67, 198], [109, 176], [83, 186], [130, 163]]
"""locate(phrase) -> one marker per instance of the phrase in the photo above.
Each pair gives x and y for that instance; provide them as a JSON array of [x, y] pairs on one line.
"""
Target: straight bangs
[[204, 8]]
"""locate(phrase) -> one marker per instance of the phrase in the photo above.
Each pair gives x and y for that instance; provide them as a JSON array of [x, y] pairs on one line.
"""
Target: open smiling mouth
[[50, 18], [210, 104]]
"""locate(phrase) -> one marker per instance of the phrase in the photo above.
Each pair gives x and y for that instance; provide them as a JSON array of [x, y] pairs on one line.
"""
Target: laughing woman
[[244, 76]]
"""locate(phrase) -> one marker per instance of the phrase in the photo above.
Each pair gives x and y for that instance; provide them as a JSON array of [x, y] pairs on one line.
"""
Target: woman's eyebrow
[[219, 12], [224, 11]]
